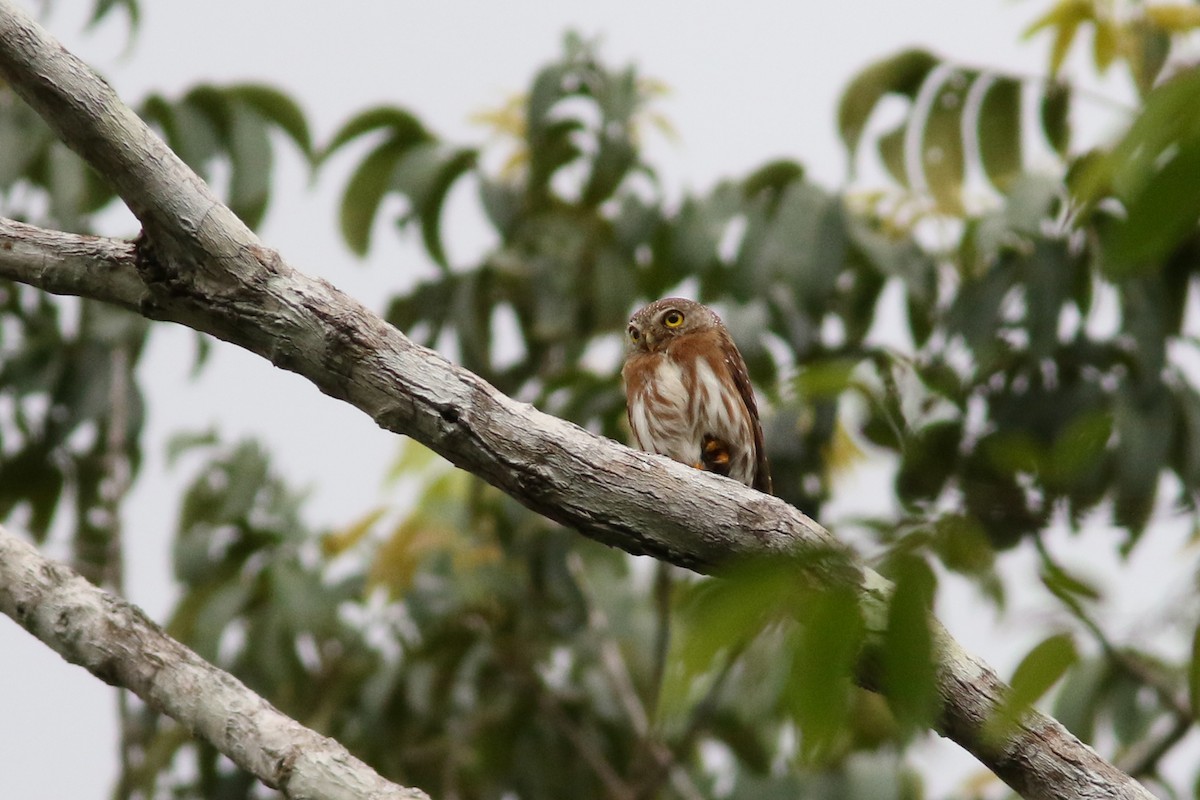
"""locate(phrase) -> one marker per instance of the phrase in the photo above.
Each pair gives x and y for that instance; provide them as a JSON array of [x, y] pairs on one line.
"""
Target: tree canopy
[[1043, 378]]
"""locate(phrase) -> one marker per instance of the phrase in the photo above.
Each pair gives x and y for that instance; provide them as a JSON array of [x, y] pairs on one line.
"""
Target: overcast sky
[[749, 81]]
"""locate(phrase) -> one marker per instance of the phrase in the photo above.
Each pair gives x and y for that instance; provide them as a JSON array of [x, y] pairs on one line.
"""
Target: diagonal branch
[[115, 641], [200, 266]]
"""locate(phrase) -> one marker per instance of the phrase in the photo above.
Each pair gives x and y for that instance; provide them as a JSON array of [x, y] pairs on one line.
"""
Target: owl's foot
[[714, 455]]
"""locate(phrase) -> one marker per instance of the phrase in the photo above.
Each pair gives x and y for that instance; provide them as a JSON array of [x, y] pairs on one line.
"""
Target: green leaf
[[104, 7], [67, 185], [1033, 200], [999, 126], [895, 255], [826, 378], [699, 226], [803, 243], [824, 661], [1194, 671], [900, 74], [1185, 457], [221, 606], [83, 389], [1080, 446], [25, 138], [234, 122], [279, 108], [1143, 446], [772, 179], [472, 314], [547, 91], [1131, 716], [1055, 115], [429, 301], [1077, 701], [187, 441], [213, 102], [716, 618], [909, 677], [1163, 212], [1044, 665], [425, 175], [1042, 668], [250, 162], [942, 158], [402, 127], [503, 203], [1046, 273], [745, 740], [975, 312], [552, 148], [962, 545], [891, 153], [1152, 172], [30, 476], [365, 191], [1066, 586], [930, 458], [614, 159], [1148, 47], [193, 134]]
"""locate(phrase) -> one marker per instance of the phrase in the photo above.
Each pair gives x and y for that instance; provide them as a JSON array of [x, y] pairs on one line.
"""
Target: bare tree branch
[[203, 268], [115, 641]]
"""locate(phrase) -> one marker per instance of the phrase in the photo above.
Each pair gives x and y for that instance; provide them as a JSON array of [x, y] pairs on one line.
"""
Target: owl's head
[[653, 328]]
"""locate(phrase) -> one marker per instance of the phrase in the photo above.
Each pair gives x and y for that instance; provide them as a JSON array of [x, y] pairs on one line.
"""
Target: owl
[[688, 394]]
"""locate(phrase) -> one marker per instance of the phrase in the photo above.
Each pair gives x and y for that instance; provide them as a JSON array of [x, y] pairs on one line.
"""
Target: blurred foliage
[[1035, 373], [103, 8], [231, 126]]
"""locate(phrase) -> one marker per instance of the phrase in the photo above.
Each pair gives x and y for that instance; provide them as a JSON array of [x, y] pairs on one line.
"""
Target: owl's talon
[[715, 454]]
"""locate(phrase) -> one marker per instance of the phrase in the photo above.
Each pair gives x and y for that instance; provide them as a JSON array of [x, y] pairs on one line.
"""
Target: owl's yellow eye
[[672, 319], [634, 335]]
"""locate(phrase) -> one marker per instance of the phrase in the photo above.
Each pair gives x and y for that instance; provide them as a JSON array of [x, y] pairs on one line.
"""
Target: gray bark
[[198, 265]]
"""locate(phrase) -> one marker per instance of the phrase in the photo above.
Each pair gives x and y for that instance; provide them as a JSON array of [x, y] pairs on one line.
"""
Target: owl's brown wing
[[741, 379]]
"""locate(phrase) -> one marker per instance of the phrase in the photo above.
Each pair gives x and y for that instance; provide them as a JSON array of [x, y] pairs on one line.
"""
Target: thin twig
[[614, 784], [662, 639], [666, 761]]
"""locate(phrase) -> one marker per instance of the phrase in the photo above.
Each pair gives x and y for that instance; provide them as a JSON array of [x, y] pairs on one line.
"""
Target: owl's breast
[[660, 407]]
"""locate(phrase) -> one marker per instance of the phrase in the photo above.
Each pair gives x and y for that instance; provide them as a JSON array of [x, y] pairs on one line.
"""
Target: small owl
[[688, 394]]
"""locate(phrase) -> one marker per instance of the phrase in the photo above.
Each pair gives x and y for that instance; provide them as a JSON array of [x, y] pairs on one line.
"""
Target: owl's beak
[[649, 340]]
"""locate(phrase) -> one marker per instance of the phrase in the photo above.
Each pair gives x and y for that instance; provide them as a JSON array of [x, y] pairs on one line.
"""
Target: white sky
[[750, 81]]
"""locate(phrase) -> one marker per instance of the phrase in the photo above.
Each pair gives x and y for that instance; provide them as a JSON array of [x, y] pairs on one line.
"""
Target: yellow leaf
[[1066, 11], [842, 453], [507, 120], [1065, 19], [398, 558], [1062, 46], [414, 458], [1104, 44], [1174, 18], [341, 540], [980, 784]]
